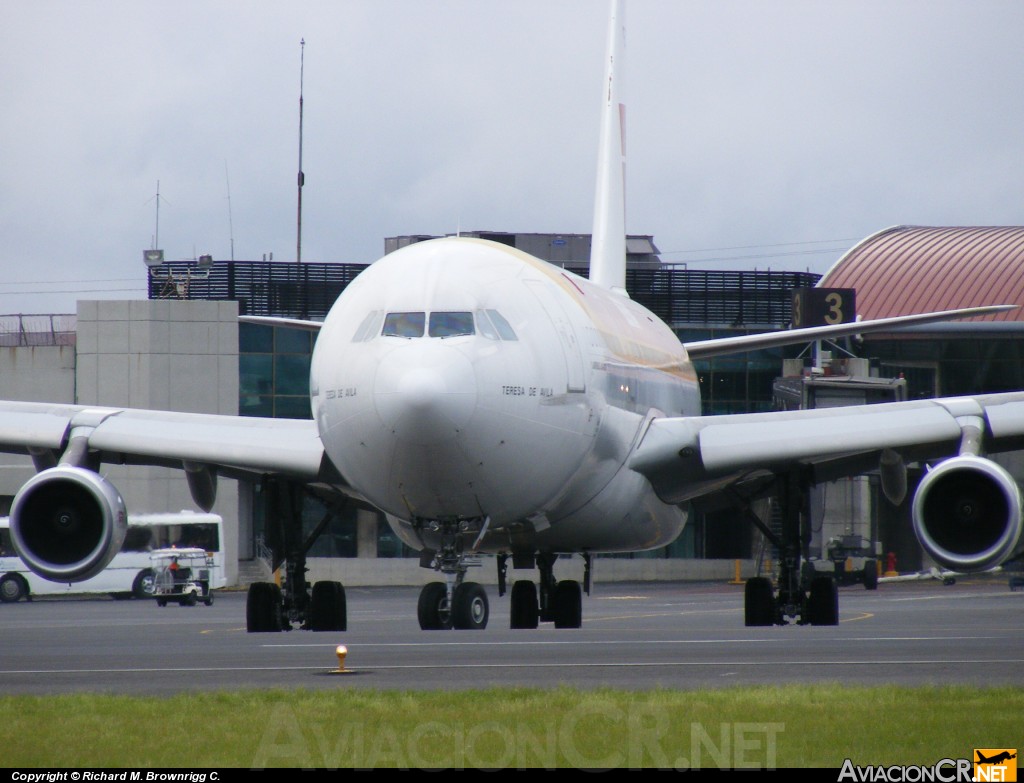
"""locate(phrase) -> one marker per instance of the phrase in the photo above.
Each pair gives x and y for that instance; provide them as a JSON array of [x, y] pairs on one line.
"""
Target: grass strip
[[784, 726]]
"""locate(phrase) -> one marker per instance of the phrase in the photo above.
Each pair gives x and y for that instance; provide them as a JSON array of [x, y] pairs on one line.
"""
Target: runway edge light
[[341, 651]]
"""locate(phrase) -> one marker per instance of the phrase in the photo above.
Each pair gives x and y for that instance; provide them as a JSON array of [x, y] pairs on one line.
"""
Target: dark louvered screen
[[683, 296], [304, 291], [307, 291]]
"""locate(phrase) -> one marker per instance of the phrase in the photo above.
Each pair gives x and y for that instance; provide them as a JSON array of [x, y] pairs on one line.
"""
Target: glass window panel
[[504, 327], [256, 405], [289, 340], [451, 324], [404, 324], [255, 384], [255, 338], [291, 374], [369, 328], [483, 323], [287, 407]]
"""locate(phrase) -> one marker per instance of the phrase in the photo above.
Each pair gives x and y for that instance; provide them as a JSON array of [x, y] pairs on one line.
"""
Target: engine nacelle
[[67, 523], [967, 514]]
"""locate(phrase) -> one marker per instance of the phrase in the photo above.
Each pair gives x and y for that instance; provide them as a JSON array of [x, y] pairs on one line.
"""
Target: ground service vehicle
[[855, 559], [182, 575]]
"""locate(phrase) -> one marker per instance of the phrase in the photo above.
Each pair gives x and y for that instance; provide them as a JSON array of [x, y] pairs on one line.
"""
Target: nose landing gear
[[453, 603], [465, 608]]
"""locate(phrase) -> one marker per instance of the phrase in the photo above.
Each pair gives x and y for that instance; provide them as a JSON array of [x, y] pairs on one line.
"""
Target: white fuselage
[[461, 379]]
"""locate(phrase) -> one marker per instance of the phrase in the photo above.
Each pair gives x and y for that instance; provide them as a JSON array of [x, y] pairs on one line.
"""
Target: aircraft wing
[[685, 458], [234, 445], [723, 346]]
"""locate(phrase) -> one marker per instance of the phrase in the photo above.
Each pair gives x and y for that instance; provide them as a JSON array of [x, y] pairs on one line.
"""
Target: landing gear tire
[[470, 608], [871, 575], [327, 607], [823, 602], [144, 584], [263, 608], [568, 604], [432, 610], [758, 602], [524, 610]]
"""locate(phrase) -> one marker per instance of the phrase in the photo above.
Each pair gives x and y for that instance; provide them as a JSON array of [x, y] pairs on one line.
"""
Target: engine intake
[[67, 523], [967, 514]]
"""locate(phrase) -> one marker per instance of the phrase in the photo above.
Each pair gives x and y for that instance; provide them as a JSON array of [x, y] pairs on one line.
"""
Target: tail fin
[[608, 243]]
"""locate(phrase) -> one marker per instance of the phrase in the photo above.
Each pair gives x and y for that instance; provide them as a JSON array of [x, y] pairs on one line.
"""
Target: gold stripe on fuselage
[[618, 320]]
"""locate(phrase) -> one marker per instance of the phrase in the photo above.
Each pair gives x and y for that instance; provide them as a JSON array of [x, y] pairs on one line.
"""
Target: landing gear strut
[[271, 607], [813, 599], [560, 602]]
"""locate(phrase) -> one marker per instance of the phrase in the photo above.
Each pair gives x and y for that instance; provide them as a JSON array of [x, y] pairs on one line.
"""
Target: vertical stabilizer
[[608, 245]]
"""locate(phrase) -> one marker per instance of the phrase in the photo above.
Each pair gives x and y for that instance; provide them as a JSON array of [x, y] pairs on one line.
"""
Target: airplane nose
[[425, 392]]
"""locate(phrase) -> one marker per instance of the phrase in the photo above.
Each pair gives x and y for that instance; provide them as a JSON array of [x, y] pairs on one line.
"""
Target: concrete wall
[[38, 373], [163, 355], [44, 372], [356, 572]]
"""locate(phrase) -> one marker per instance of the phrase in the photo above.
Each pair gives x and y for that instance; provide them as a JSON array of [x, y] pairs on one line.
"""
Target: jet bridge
[[844, 507]]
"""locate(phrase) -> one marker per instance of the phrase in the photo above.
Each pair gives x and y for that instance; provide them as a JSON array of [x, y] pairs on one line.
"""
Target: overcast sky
[[768, 134]]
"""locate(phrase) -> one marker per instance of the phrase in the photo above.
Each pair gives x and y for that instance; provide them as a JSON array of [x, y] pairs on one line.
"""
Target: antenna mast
[[231, 222], [156, 236], [302, 177]]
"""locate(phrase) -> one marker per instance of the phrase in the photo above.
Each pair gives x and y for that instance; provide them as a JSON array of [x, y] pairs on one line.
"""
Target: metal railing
[[34, 330]]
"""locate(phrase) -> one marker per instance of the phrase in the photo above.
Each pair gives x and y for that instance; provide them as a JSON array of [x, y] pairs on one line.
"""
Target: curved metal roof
[[919, 269]]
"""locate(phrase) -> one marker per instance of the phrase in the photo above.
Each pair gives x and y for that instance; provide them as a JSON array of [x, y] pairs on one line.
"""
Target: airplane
[[996, 759], [489, 403]]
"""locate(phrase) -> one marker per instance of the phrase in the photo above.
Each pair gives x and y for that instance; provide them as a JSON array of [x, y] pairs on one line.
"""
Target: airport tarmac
[[634, 636]]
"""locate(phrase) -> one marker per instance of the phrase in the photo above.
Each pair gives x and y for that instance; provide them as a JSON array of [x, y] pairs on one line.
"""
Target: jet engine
[[967, 514], [67, 523]]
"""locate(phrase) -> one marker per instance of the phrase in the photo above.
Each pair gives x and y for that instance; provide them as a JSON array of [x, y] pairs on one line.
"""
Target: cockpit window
[[504, 327], [450, 324], [404, 324], [369, 328], [485, 327]]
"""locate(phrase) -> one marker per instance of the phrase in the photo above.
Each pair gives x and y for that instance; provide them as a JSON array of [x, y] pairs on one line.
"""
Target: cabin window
[[404, 324], [451, 324]]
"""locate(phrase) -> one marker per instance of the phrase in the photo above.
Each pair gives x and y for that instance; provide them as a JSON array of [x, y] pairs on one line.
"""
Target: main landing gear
[[560, 602], [271, 607], [811, 598]]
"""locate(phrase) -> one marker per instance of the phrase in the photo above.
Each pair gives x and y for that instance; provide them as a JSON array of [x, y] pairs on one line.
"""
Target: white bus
[[129, 573]]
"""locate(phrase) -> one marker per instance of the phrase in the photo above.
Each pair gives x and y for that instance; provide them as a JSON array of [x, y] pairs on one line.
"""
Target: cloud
[[749, 124]]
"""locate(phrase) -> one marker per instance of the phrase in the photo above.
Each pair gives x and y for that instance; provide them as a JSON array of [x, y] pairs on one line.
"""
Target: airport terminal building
[[184, 349]]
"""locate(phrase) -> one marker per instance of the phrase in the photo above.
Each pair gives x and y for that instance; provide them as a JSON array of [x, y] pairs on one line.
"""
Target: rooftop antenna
[[156, 233], [302, 177], [231, 223]]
